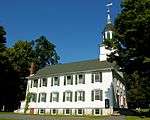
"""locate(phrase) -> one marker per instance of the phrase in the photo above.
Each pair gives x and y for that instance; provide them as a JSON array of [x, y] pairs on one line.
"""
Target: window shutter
[[71, 79], [50, 97], [57, 97], [70, 96], [83, 78], [31, 83], [64, 80], [40, 82], [92, 78], [63, 96], [35, 97], [58, 81], [45, 97], [52, 81], [39, 97], [92, 95], [83, 96], [100, 76], [101, 95], [76, 79], [76, 96]]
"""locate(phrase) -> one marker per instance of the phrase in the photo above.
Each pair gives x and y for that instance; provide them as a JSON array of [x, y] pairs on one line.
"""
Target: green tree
[[131, 45], [45, 52]]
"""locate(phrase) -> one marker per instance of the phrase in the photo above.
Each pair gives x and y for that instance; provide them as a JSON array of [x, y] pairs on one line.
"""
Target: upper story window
[[68, 80], [35, 83], [55, 81], [96, 77], [80, 79], [42, 97], [54, 96], [43, 82], [67, 96], [33, 97], [97, 95], [79, 96]]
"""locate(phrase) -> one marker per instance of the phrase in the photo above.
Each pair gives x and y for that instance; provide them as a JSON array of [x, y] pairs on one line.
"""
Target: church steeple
[[107, 34]]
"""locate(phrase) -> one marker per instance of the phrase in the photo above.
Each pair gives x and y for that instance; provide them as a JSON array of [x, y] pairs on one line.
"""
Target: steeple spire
[[108, 13]]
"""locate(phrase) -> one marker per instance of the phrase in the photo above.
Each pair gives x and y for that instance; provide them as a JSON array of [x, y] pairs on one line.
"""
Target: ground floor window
[[53, 111], [98, 112], [80, 111], [67, 111], [42, 111]]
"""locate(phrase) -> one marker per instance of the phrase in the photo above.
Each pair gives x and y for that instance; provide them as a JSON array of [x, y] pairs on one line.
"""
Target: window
[[67, 111], [97, 95], [79, 96], [54, 111], [43, 82], [68, 80], [80, 111], [54, 96], [42, 97], [96, 77], [80, 79], [55, 81], [35, 83], [42, 111], [67, 96], [33, 97], [98, 111]]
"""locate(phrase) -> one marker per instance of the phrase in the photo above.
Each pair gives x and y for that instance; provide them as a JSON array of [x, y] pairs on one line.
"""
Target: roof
[[109, 27], [74, 67]]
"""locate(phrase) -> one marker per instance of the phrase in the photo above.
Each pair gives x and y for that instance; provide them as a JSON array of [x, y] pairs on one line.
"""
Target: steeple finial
[[108, 13]]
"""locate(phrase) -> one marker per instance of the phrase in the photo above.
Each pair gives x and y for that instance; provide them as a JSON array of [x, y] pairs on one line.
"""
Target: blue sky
[[74, 26]]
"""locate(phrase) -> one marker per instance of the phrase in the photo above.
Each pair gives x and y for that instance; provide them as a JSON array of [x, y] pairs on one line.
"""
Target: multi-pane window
[[80, 96], [54, 111], [55, 81], [43, 82], [96, 77], [35, 83], [97, 95], [67, 111], [42, 97], [80, 79], [80, 111], [33, 97], [67, 96], [68, 80], [54, 96]]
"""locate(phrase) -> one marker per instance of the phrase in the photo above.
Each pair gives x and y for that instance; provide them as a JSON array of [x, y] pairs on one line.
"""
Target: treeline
[[131, 44], [17, 63]]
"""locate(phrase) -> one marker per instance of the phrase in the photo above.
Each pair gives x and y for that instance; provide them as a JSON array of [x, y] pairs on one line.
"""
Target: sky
[[74, 26]]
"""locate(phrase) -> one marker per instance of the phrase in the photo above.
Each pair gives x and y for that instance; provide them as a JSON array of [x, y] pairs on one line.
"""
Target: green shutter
[[58, 81], [70, 96], [83, 78], [35, 99], [76, 96], [83, 96], [101, 95], [52, 81], [31, 83], [76, 79], [92, 78], [39, 97], [92, 95], [50, 97], [100, 76], [57, 97], [63, 96], [40, 82], [71, 79], [64, 80], [45, 97]]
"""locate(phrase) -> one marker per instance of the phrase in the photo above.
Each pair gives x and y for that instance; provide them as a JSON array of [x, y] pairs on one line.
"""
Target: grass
[[137, 118], [6, 119]]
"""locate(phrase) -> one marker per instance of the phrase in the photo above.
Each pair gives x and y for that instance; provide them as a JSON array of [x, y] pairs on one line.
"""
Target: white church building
[[91, 87]]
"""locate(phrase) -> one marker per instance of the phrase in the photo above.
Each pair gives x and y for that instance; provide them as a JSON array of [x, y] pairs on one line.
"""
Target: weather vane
[[108, 12]]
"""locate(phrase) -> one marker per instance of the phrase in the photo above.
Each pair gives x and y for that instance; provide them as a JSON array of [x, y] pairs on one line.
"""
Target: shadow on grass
[[133, 112]]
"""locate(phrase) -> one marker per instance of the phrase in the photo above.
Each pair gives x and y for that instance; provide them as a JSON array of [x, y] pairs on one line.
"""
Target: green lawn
[[137, 118], [6, 119]]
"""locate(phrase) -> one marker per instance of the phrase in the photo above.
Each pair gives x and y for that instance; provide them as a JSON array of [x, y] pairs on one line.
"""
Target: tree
[[45, 52], [131, 45]]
